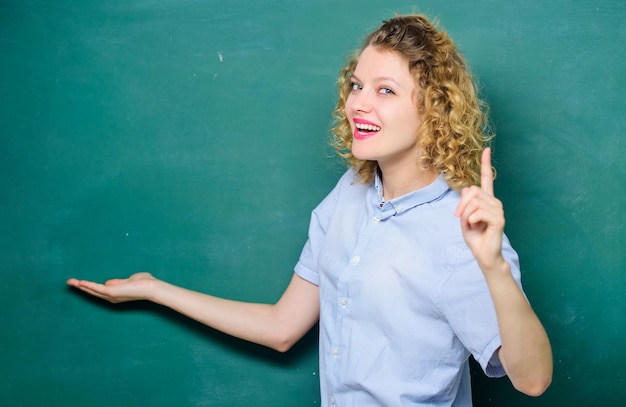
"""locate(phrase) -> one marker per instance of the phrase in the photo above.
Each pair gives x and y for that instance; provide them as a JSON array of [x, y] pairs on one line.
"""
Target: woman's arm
[[276, 326], [525, 352]]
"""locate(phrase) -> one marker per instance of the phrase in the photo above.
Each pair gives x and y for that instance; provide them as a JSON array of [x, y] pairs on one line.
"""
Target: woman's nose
[[360, 102]]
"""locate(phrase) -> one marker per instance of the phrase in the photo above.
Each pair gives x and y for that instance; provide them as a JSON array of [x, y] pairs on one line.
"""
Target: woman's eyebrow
[[378, 79]]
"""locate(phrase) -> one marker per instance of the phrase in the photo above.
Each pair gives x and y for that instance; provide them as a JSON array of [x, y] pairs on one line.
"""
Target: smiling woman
[[384, 97], [407, 273], [424, 66]]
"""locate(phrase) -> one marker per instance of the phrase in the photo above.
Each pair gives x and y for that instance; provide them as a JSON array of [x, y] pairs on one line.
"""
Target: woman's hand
[[136, 287], [482, 218]]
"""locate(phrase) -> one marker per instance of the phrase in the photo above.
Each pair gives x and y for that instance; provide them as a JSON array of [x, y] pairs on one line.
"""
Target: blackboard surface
[[188, 138]]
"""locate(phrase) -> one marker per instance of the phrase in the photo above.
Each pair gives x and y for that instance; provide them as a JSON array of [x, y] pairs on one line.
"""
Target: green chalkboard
[[188, 138]]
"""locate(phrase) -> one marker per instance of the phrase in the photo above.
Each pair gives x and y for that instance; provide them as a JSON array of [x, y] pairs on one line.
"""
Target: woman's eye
[[355, 86], [386, 91]]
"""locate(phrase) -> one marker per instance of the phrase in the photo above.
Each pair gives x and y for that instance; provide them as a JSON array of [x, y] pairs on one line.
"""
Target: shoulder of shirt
[[449, 198], [348, 179]]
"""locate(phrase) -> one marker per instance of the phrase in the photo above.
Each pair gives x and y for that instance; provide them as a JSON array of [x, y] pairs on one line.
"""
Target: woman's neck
[[400, 181]]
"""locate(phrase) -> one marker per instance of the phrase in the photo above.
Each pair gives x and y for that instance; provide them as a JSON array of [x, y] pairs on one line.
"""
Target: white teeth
[[368, 127]]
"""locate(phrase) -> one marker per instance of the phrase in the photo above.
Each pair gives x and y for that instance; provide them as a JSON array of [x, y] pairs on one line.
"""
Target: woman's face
[[382, 109]]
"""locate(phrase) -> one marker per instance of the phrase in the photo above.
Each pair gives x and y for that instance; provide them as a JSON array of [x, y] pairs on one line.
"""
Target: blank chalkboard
[[189, 139]]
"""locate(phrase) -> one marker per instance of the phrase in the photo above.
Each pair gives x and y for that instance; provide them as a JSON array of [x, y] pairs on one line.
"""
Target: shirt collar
[[385, 209]]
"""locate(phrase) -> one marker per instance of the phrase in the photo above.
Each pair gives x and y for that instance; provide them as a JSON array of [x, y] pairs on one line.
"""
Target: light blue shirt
[[403, 301]]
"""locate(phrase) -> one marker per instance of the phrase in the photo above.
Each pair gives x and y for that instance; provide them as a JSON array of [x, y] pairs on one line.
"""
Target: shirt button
[[332, 400], [356, 260], [376, 218], [335, 351], [343, 301]]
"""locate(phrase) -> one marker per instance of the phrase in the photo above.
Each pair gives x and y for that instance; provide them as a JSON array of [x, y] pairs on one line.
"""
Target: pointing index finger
[[486, 172]]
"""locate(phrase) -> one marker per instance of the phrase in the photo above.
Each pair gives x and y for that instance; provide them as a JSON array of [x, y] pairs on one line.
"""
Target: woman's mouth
[[364, 129]]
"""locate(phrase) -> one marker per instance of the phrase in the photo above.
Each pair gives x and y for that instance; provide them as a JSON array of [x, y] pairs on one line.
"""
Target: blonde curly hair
[[455, 127]]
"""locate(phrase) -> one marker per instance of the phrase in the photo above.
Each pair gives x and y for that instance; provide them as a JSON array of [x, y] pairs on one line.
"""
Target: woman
[[406, 267]]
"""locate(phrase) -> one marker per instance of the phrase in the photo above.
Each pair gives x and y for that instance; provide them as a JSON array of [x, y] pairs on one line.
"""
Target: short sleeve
[[307, 266], [467, 305]]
